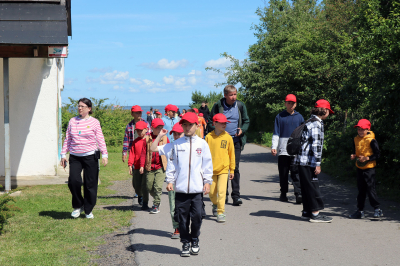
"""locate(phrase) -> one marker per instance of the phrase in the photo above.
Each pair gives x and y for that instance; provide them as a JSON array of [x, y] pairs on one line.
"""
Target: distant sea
[[159, 107]]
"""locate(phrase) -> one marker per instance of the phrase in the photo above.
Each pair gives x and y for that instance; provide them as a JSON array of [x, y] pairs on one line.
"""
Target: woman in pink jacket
[[84, 141]]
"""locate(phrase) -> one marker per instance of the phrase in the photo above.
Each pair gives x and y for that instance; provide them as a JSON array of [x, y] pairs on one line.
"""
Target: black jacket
[[206, 113]]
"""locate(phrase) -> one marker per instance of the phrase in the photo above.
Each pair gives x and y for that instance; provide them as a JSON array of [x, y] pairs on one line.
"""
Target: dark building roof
[[35, 23]]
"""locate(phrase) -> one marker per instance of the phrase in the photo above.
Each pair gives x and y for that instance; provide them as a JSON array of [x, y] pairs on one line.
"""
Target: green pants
[[155, 180], [139, 184], [171, 197]]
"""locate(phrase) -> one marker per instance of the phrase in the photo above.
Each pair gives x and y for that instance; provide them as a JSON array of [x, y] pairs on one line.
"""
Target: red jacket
[[137, 153]]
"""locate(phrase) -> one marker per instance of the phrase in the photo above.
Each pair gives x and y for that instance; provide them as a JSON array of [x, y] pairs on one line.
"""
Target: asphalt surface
[[265, 231]]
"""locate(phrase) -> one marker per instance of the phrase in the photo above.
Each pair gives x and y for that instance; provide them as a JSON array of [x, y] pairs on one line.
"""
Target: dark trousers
[[310, 191], [189, 207], [139, 184], [366, 186], [235, 182], [284, 165], [90, 176]]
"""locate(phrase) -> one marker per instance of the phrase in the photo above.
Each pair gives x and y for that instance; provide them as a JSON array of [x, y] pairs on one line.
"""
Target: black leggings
[[366, 186], [312, 200], [90, 176]]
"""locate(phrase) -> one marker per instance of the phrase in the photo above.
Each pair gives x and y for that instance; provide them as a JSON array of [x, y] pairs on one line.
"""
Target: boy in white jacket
[[190, 169]]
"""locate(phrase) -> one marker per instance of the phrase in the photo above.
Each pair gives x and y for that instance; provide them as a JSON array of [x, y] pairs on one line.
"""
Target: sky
[[154, 53]]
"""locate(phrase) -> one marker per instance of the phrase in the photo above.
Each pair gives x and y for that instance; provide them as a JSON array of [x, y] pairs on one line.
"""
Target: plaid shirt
[[313, 138], [131, 135]]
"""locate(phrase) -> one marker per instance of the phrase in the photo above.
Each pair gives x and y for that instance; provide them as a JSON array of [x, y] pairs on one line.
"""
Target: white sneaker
[[89, 216], [77, 212]]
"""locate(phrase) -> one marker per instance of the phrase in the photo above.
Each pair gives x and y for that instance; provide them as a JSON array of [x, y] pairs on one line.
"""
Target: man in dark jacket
[[236, 112], [204, 110]]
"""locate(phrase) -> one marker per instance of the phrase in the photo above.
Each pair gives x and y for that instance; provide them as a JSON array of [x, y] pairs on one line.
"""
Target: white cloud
[[114, 77], [192, 80], [133, 90], [135, 81], [195, 72], [219, 63], [164, 64], [148, 82], [117, 87], [156, 90], [168, 80], [180, 82], [69, 81], [101, 70]]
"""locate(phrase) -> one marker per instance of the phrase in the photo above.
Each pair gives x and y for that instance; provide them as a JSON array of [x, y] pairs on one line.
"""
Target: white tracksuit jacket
[[189, 165]]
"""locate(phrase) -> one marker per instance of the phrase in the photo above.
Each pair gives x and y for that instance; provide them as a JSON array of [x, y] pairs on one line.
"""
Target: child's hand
[[206, 189], [141, 170], [130, 170], [353, 156], [231, 176], [170, 187], [363, 159], [163, 132], [317, 170], [273, 151]]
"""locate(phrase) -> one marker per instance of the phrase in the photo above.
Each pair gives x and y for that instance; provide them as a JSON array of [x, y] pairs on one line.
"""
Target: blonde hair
[[229, 88]]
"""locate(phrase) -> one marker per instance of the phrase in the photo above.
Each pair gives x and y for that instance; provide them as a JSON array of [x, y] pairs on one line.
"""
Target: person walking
[[84, 141], [236, 112], [204, 110], [285, 123], [170, 119]]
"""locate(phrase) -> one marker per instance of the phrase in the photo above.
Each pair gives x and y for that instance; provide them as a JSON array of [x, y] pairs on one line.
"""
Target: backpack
[[295, 142]]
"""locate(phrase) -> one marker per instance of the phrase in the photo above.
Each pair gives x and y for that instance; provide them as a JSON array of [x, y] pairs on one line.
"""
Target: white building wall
[[33, 117]]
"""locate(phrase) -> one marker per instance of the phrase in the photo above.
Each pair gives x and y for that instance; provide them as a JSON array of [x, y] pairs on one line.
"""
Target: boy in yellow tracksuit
[[223, 158]]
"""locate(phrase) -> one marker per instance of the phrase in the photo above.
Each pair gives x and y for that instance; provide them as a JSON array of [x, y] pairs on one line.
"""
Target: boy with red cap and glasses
[[190, 171], [223, 154], [285, 123], [177, 132], [170, 119], [137, 157], [155, 165], [366, 151], [309, 162]]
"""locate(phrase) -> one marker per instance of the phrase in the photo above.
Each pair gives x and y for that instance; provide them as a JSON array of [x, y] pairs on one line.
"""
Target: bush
[[5, 210]]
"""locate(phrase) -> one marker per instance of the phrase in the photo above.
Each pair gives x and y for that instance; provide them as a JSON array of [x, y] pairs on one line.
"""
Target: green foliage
[[113, 120], [6, 210], [346, 52], [211, 98]]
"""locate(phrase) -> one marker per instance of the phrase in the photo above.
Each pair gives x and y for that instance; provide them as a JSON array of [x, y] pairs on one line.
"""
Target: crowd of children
[[194, 164]]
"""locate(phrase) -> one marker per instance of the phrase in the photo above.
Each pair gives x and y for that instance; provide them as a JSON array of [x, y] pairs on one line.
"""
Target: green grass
[[43, 233]]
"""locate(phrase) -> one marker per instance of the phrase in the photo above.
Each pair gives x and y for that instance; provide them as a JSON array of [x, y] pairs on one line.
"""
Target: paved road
[[265, 231]]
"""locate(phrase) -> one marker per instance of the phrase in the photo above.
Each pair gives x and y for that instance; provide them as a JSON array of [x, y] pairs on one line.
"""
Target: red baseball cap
[[221, 118], [291, 98], [171, 107], [158, 113], [136, 108], [157, 122], [364, 124], [189, 117], [201, 114], [196, 110], [140, 125], [324, 104], [176, 128], [148, 112]]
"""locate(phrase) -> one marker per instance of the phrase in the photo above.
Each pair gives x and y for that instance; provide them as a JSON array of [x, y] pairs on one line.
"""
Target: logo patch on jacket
[[223, 144], [198, 150]]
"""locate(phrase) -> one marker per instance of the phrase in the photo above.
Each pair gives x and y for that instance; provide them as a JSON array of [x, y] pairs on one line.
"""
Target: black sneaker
[[305, 215], [226, 199], [357, 215], [145, 206], [195, 246], [283, 197], [140, 200], [237, 202], [320, 219], [155, 209], [299, 199], [185, 250], [378, 213]]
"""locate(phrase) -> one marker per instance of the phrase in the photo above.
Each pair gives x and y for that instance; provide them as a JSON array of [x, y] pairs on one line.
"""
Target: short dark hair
[[88, 103], [318, 111], [203, 102], [191, 111]]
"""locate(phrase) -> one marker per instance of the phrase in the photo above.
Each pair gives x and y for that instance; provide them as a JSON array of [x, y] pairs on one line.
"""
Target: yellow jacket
[[363, 147], [222, 152]]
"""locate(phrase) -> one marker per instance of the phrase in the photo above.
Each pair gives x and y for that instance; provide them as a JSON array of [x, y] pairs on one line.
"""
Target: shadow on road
[[114, 197], [264, 157], [276, 214], [155, 232], [162, 249]]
